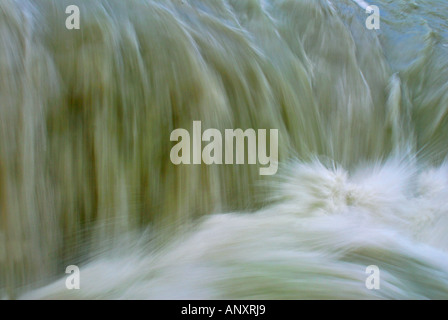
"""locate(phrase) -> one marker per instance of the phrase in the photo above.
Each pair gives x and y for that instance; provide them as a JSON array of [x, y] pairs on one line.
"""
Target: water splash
[[85, 120]]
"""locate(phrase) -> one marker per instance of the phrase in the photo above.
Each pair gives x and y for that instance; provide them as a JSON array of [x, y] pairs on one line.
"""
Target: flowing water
[[85, 171]]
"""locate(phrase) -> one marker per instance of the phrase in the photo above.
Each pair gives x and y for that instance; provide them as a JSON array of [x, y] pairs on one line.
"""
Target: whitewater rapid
[[85, 171]]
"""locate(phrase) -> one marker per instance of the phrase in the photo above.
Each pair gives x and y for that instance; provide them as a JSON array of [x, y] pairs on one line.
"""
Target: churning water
[[85, 171]]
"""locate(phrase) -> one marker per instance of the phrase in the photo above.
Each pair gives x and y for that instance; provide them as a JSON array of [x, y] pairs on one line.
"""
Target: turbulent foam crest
[[290, 250]]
